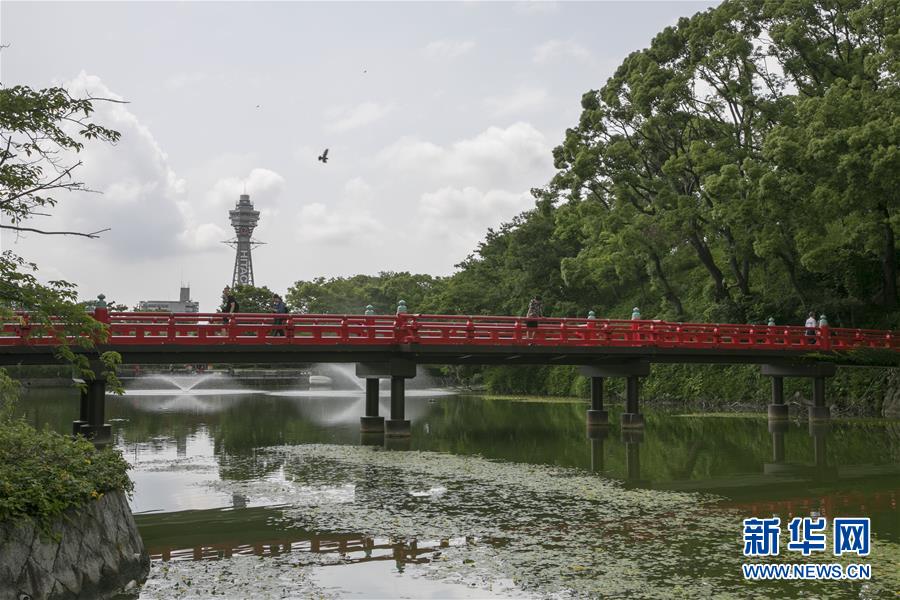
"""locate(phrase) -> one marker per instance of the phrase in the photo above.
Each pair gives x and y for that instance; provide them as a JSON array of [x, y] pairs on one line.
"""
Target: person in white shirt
[[811, 328]]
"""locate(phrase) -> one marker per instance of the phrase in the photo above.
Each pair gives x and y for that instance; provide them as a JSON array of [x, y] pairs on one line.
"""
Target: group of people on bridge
[[534, 312]]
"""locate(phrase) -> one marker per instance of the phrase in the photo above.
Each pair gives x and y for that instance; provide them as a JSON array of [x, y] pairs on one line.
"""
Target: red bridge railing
[[246, 329]]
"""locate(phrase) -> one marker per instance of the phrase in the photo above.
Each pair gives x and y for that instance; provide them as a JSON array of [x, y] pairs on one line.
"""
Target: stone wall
[[95, 552]]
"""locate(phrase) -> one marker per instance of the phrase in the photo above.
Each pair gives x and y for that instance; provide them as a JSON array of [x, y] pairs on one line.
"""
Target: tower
[[244, 220]]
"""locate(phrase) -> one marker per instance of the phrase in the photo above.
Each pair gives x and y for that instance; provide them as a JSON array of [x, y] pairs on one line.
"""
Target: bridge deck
[[160, 337]]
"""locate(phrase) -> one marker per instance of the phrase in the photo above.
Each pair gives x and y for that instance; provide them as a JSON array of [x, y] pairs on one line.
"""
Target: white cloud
[[448, 48], [357, 190], [206, 236], [178, 81], [141, 196], [462, 216], [261, 184], [537, 7], [495, 158], [554, 50], [521, 101], [345, 226], [344, 118]]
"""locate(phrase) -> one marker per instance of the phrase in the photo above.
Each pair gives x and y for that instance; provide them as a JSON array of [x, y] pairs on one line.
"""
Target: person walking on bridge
[[535, 311], [231, 305], [279, 308], [811, 325]]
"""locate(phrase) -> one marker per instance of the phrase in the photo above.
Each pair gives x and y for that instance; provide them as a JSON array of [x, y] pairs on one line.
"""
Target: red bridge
[[175, 331], [392, 346]]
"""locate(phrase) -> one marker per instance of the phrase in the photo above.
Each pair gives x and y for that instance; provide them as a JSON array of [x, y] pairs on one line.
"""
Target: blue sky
[[439, 118]]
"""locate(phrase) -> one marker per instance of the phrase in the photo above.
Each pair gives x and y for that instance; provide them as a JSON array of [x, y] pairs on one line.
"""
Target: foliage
[[41, 131], [35, 143], [9, 393], [351, 295], [744, 165], [44, 473], [252, 299]]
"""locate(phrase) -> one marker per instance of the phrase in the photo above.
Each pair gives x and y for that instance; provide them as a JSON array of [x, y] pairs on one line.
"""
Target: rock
[[95, 553]]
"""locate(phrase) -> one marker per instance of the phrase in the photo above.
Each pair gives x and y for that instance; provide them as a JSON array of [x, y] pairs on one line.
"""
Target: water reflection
[[225, 472], [223, 533]]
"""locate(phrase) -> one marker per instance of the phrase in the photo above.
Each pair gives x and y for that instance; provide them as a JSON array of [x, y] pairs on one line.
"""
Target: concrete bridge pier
[[597, 435], [596, 416], [633, 440], [371, 423], [778, 409], [816, 371], [777, 429], [398, 425], [92, 409], [632, 371], [818, 431], [398, 370]]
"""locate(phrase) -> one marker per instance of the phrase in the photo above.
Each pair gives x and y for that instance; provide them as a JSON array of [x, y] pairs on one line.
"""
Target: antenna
[[244, 219]]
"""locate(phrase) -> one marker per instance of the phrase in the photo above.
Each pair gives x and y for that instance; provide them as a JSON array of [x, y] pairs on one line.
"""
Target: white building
[[183, 305]]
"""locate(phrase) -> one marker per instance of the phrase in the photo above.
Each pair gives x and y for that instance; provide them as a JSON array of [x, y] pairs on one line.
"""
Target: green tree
[[837, 153], [351, 295], [41, 133], [253, 299]]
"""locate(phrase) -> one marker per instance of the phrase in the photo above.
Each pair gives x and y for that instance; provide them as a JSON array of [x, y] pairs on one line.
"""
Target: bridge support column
[[371, 422], [818, 411], [397, 426], [93, 411], [632, 371], [596, 416], [818, 430], [82, 410], [778, 447], [777, 428], [632, 416], [597, 435], [632, 440], [816, 371], [399, 371], [778, 409]]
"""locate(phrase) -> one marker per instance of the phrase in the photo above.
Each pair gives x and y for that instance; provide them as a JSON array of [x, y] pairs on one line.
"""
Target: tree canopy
[[41, 133], [743, 165]]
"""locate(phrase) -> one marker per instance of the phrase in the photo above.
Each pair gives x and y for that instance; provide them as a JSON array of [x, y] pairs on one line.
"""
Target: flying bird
[[324, 156]]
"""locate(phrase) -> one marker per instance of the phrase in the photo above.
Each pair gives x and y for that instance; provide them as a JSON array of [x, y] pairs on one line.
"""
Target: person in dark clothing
[[535, 311], [279, 308], [231, 306]]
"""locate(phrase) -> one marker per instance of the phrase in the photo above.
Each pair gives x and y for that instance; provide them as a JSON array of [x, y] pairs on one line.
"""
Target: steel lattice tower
[[244, 220]]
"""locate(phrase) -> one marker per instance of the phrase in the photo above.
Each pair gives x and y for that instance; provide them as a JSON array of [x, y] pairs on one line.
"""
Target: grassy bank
[[859, 391]]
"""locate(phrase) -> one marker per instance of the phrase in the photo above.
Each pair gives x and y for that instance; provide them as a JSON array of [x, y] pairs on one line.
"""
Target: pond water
[[243, 493]]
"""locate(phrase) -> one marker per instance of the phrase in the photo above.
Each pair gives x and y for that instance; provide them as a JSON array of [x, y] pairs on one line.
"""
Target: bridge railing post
[[289, 328], [825, 337], [398, 328], [411, 330]]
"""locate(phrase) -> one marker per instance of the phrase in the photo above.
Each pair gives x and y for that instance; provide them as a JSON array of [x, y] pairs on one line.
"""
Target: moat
[[274, 494]]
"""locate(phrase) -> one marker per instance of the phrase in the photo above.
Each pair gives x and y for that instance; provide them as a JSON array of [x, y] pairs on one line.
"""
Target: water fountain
[[342, 376], [179, 382]]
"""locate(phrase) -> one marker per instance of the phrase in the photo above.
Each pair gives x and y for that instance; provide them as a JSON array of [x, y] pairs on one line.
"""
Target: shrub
[[43, 473]]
